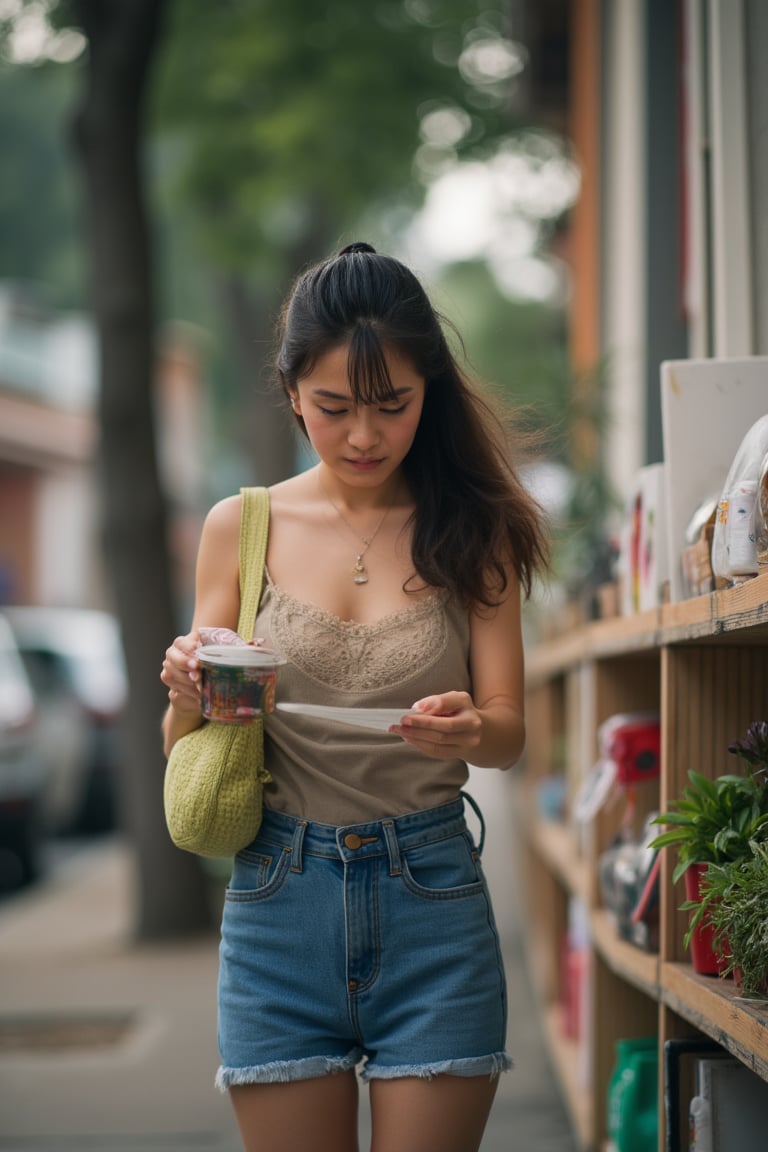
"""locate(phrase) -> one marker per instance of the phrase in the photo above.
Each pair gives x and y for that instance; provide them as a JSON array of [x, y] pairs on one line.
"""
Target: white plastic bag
[[743, 509], [761, 515]]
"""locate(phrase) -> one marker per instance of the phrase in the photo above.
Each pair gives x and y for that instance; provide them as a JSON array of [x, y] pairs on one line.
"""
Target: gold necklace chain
[[359, 572]]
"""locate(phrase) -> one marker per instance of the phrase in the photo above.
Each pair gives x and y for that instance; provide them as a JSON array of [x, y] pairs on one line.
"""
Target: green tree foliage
[[518, 346], [280, 127], [40, 235], [293, 119]]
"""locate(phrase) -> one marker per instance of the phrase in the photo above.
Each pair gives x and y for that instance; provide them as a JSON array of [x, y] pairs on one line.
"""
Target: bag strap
[[254, 529]]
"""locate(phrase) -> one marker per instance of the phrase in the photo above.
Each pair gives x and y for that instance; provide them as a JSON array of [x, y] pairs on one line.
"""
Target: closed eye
[[343, 411]]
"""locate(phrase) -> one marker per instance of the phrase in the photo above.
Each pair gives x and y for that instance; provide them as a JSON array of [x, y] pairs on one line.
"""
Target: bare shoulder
[[217, 595], [223, 518], [288, 501], [294, 498]]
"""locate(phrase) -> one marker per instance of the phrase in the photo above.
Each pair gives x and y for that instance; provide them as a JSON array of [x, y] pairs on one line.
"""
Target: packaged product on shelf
[[740, 520], [761, 515], [629, 745], [643, 563], [633, 1096], [700, 1125], [698, 578], [737, 1100], [574, 971], [628, 873]]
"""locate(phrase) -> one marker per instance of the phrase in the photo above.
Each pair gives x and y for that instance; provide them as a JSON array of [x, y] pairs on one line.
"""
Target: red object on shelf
[[634, 744], [705, 959], [573, 976]]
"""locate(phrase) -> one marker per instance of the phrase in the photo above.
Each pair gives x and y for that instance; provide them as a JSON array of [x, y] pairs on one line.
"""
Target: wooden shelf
[[638, 633], [702, 665], [740, 612], [637, 967], [713, 1006], [603, 638], [743, 608]]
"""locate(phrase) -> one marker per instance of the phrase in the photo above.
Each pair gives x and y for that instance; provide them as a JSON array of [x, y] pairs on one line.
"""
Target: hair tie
[[358, 246]]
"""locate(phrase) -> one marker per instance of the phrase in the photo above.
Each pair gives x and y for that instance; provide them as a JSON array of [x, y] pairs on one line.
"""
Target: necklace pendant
[[359, 573]]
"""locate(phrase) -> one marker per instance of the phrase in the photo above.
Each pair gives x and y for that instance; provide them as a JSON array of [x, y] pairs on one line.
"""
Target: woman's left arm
[[486, 728]]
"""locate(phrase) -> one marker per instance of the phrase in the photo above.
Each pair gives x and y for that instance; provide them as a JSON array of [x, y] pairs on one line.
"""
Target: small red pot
[[704, 957]]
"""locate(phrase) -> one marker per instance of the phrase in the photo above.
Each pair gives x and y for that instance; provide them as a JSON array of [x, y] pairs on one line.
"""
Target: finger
[[186, 661], [445, 704], [432, 727], [181, 679]]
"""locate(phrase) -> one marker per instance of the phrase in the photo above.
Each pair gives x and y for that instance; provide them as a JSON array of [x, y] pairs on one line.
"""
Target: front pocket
[[444, 869], [257, 873]]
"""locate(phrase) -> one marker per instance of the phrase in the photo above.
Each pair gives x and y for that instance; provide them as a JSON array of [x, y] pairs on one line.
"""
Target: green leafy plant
[[716, 821], [734, 902]]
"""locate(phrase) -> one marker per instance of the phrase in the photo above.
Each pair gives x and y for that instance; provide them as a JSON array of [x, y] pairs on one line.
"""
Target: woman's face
[[363, 443]]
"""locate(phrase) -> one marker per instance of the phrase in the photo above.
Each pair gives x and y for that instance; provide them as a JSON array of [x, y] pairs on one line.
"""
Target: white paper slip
[[379, 719]]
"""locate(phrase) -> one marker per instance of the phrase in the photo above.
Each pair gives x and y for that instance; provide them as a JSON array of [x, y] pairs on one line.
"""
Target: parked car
[[74, 659], [22, 769]]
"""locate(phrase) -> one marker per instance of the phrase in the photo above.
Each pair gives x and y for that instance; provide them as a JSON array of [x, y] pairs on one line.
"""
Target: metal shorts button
[[353, 841]]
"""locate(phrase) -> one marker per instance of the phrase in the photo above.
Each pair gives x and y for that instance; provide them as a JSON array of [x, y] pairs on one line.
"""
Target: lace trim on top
[[352, 657]]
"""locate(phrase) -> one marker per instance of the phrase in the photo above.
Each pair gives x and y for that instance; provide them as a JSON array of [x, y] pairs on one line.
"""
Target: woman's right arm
[[217, 605]]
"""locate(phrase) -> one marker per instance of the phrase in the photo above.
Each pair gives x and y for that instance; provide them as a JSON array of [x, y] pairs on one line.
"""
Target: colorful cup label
[[237, 683]]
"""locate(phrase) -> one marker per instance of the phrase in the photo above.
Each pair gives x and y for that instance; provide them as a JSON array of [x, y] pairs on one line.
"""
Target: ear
[[296, 403]]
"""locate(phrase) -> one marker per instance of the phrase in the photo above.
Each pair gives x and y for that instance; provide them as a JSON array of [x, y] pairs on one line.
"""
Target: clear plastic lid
[[238, 656]]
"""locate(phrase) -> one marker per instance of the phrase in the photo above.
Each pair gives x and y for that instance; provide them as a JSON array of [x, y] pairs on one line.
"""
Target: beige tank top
[[332, 772]]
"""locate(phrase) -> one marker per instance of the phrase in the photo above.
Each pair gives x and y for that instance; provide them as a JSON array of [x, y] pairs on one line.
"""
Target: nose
[[363, 434]]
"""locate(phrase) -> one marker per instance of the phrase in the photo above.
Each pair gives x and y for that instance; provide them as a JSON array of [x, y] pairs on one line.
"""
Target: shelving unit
[[703, 664]]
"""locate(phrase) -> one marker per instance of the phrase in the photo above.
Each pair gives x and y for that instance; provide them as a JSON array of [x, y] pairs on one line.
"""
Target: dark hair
[[473, 515]]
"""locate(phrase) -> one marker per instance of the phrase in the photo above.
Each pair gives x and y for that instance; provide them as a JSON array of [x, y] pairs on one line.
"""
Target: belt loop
[[297, 844], [393, 848], [476, 808]]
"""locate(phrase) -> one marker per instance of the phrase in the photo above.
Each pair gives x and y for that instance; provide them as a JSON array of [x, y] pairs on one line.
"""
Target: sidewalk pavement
[[106, 1046]]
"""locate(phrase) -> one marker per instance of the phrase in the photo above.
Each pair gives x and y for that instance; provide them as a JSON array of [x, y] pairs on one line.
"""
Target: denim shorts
[[370, 945]]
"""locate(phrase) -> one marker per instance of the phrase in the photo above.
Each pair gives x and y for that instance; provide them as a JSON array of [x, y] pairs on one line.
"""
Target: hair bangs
[[369, 377]]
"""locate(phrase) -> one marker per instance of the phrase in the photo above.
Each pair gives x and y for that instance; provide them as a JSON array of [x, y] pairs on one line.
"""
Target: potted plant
[[715, 822], [734, 902]]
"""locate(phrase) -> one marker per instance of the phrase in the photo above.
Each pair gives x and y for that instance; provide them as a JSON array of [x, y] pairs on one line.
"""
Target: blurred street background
[[167, 172], [168, 168]]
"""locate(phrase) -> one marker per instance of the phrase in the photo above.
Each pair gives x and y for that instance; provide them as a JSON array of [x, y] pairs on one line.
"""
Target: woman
[[358, 941]]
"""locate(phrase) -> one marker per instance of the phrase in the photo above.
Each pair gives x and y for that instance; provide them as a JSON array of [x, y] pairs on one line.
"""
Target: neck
[[358, 501]]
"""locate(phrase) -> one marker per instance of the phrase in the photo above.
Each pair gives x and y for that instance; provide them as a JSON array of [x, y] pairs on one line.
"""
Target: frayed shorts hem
[[491, 1066], [286, 1071]]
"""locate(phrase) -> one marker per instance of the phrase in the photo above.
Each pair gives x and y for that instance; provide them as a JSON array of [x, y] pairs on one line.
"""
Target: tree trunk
[[122, 35], [267, 431]]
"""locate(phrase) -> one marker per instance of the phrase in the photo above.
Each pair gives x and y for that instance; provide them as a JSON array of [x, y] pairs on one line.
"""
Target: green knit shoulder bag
[[215, 776]]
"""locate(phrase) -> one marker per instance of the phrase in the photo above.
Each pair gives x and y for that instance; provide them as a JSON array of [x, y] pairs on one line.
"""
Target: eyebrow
[[327, 394]]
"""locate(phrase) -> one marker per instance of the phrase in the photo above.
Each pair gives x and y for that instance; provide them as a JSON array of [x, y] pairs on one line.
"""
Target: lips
[[364, 464]]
